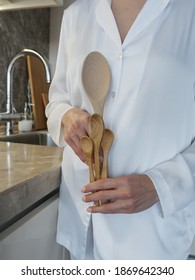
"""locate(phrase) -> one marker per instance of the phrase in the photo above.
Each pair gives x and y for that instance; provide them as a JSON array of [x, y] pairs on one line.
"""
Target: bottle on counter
[[26, 124]]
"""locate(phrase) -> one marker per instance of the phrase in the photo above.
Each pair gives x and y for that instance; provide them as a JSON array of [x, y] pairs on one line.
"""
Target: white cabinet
[[193, 248], [34, 236], [25, 4]]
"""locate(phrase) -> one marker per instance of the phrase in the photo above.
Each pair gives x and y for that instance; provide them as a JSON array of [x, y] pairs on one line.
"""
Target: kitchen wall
[[21, 29]]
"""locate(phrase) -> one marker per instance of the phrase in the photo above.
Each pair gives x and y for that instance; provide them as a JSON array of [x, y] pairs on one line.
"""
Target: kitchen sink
[[35, 138]]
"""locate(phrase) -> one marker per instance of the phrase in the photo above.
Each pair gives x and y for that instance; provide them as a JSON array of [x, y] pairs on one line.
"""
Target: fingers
[[128, 194], [113, 207], [99, 196], [103, 184], [73, 140], [75, 145], [75, 123], [105, 190]]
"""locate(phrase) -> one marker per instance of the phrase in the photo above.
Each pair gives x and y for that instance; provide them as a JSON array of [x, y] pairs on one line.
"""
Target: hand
[[127, 194], [75, 123]]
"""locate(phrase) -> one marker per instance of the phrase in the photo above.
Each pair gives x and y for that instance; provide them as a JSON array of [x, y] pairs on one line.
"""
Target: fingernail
[[83, 189], [84, 198], [89, 209]]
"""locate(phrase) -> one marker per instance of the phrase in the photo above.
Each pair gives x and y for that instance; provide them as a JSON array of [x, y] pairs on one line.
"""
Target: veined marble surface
[[28, 173]]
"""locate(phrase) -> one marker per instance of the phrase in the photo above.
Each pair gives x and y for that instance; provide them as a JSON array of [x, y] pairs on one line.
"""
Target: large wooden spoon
[[96, 79], [106, 144]]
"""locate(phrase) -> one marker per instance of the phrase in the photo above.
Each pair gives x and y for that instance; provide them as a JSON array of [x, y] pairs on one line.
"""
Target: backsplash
[[18, 30]]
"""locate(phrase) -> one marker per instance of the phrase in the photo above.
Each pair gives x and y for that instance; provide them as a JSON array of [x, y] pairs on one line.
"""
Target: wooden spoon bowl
[[96, 78]]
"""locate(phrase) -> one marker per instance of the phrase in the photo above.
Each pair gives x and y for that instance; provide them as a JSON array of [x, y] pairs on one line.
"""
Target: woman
[[149, 46]]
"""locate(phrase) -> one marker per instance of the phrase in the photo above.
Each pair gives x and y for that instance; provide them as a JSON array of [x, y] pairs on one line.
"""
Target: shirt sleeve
[[59, 100], [174, 181]]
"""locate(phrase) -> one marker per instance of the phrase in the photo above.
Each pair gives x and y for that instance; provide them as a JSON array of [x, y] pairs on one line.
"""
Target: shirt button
[[120, 56], [113, 94]]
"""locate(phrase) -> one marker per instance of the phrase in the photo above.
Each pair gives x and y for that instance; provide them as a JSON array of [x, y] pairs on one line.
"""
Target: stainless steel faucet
[[11, 114]]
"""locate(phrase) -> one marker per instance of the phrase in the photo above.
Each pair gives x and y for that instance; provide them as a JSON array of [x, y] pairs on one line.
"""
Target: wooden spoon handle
[[97, 167], [91, 172], [104, 173], [106, 144], [96, 161], [87, 148]]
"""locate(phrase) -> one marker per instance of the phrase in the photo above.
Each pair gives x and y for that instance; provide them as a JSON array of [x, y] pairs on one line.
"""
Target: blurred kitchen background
[[34, 28]]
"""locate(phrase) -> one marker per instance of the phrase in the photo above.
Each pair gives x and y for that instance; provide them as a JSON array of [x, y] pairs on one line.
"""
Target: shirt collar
[[106, 20]]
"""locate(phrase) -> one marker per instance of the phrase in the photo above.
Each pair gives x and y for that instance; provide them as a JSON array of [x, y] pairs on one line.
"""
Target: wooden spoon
[[96, 79], [96, 130], [106, 144], [87, 147]]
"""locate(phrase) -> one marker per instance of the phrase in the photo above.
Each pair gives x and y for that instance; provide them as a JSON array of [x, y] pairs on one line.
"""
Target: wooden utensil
[[38, 85], [106, 144], [87, 147], [96, 130], [45, 99], [96, 80]]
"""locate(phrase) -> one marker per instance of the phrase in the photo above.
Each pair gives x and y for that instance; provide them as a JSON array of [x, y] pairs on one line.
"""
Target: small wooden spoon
[[96, 80], [96, 130], [87, 147], [106, 144]]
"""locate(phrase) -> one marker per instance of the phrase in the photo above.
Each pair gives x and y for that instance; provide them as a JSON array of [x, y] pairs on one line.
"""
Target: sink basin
[[35, 138]]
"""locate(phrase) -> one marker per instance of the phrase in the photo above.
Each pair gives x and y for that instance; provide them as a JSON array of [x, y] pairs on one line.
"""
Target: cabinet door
[[4, 2], [25, 4], [34, 236]]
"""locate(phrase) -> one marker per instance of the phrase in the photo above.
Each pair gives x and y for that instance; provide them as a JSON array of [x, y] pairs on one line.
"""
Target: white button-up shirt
[[151, 110]]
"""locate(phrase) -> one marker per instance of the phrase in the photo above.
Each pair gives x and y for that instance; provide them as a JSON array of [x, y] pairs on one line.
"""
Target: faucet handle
[[14, 109], [28, 113]]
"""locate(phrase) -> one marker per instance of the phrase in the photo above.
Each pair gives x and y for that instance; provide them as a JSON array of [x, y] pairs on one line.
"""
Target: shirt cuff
[[163, 191], [54, 124]]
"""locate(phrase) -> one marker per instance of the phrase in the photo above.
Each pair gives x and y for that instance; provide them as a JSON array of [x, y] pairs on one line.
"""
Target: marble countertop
[[28, 174]]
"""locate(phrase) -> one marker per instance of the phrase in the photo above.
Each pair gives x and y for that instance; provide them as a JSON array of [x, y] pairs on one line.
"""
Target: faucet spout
[[24, 52], [10, 114]]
